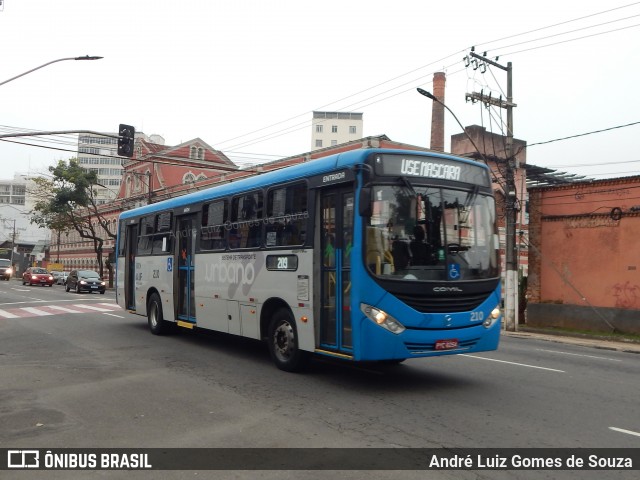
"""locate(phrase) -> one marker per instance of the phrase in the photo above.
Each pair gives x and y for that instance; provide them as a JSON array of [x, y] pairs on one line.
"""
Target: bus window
[[287, 214], [214, 219], [145, 240], [162, 236], [246, 221], [121, 239]]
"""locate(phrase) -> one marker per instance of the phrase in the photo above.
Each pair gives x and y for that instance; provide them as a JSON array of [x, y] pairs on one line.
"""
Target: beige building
[[333, 128]]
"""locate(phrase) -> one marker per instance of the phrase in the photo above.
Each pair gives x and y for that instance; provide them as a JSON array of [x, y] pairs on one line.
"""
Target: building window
[[318, 128], [189, 178], [352, 130], [318, 143], [200, 153], [192, 152], [334, 128], [334, 142]]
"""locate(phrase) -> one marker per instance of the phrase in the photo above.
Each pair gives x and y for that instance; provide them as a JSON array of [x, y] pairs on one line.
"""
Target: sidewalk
[[601, 343]]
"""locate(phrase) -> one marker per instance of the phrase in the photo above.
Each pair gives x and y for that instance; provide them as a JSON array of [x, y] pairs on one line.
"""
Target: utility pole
[[13, 242], [511, 211]]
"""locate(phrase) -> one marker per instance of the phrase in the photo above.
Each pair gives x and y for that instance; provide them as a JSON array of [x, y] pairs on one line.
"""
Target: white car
[[60, 278]]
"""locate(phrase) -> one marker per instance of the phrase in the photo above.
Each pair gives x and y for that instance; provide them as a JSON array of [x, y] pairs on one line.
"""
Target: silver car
[[60, 278]]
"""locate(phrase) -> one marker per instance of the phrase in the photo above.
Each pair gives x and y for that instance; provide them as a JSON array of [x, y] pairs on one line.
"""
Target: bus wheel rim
[[154, 315], [284, 341]]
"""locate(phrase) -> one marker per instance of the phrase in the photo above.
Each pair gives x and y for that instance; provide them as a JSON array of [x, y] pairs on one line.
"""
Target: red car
[[37, 276]]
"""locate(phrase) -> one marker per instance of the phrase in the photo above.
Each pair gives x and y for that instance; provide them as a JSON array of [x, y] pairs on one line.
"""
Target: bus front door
[[186, 234], [336, 231]]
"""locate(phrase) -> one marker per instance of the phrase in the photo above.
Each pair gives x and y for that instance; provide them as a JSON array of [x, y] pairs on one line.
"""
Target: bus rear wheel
[[283, 342], [157, 324]]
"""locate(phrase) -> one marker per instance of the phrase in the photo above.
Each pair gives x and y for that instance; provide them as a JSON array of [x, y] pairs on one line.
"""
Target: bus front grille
[[425, 304]]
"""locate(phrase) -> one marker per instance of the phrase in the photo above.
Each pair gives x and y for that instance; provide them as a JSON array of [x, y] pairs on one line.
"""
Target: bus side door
[[130, 248], [185, 260]]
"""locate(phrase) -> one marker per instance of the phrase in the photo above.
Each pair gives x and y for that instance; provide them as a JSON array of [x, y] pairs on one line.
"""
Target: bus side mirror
[[364, 202]]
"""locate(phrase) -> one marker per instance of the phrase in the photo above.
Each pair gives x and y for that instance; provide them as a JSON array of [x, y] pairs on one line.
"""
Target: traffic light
[[126, 136]]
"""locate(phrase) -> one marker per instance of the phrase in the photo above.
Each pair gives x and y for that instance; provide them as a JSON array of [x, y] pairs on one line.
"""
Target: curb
[[602, 344]]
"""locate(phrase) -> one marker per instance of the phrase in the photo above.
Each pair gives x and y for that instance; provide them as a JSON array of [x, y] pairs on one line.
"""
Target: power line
[[583, 134], [559, 24], [361, 103], [592, 164], [571, 40]]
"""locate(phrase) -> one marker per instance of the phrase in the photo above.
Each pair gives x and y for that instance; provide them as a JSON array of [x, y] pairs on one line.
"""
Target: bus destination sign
[[431, 167]]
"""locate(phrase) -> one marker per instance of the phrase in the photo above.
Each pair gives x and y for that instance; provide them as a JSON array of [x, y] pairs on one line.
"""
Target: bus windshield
[[425, 233]]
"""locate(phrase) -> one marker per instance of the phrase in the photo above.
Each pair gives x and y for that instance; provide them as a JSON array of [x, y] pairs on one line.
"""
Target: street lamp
[[435, 99], [86, 57]]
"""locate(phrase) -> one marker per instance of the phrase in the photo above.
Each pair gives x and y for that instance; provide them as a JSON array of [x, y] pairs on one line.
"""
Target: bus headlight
[[493, 316], [382, 318]]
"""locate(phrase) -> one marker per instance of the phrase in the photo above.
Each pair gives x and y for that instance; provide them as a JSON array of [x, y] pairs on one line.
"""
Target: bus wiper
[[472, 198], [407, 184]]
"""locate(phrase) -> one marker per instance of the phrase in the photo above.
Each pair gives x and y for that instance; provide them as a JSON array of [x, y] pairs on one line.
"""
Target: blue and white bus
[[367, 255]]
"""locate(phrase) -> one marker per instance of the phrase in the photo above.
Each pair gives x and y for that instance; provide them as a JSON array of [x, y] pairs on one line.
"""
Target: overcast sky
[[244, 76]]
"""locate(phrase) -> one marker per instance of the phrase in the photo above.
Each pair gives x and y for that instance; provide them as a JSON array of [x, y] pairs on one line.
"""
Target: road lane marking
[[36, 311], [512, 363], [622, 430], [44, 310], [91, 307], [579, 355], [63, 309], [38, 300], [113, 315]]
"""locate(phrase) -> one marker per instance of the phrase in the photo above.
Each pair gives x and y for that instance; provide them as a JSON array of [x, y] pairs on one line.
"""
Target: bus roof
[[285, 174]]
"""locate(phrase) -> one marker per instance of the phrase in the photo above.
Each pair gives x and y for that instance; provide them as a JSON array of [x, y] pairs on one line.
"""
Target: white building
[[333, 128], [100, 154], [15, 205]]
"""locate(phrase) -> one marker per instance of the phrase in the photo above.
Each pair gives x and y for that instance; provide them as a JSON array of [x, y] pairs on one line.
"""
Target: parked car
[[6, 270], [59, 278], [37, 276], [85, 280]]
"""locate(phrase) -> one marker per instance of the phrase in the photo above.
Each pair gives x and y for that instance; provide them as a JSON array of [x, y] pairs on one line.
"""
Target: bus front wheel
[[157, 324], [283, 342]]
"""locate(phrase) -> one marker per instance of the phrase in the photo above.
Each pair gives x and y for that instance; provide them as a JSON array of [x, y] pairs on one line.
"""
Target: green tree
[[66, 201]]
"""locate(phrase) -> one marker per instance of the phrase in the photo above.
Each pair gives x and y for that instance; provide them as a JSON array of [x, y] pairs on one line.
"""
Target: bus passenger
[[419, 249]]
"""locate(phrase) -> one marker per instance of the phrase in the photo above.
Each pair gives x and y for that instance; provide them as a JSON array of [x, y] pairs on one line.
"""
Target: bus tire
[[393, 361], [283, 342], [157, 324]]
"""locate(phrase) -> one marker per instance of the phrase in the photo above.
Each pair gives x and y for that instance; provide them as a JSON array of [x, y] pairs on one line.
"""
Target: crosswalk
[[46, 310]]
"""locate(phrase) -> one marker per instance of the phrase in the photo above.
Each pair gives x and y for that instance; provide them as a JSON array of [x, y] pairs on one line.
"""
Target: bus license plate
[[447, 344]]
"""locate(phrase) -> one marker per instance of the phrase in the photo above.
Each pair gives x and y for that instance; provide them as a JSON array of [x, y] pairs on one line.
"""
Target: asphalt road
[[77, 371]]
